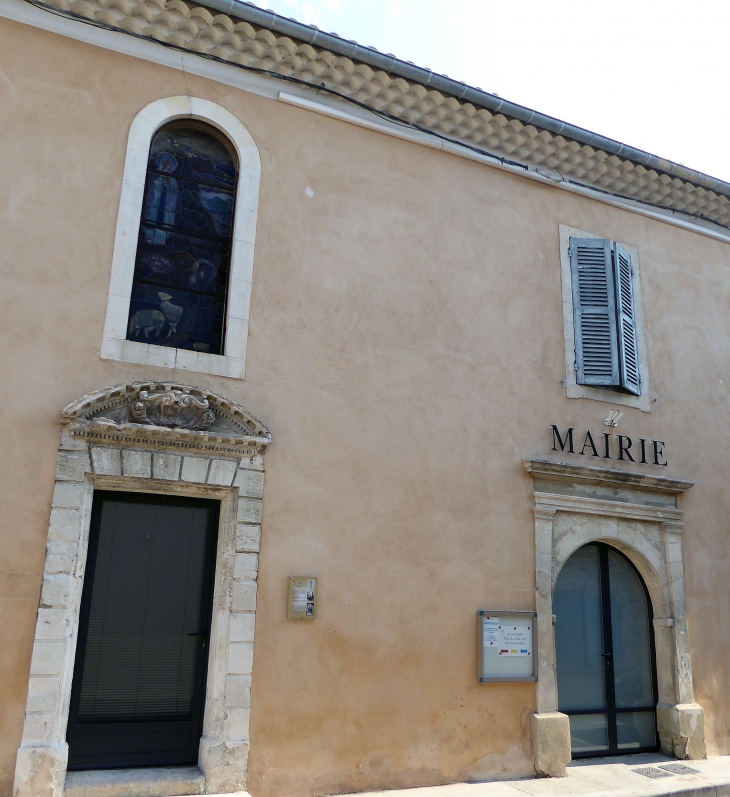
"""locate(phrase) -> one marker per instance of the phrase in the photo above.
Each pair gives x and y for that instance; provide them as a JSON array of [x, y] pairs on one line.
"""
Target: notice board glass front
[[506, 645]]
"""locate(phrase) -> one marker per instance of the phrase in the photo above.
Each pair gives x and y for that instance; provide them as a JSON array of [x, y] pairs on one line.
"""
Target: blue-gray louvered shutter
[[594, 312], [627, 349]]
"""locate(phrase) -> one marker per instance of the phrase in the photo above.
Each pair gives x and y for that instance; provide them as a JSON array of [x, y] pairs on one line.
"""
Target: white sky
[[650, 73]]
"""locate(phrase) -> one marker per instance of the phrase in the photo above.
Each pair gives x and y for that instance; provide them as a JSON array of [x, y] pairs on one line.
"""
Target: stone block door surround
[[638, 515], [152, 437]]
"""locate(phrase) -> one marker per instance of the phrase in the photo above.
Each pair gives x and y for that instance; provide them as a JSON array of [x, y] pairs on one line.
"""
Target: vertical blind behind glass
[[139, 662]]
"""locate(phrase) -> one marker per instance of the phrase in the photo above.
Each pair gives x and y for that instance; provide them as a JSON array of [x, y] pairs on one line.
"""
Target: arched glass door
[[605, 653]]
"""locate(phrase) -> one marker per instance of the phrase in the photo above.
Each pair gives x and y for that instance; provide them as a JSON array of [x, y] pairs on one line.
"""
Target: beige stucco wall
[[406, 350]]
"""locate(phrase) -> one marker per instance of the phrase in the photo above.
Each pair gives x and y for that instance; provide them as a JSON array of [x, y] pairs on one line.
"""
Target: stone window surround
[[638, 515], [115, 346], [85, 465], [572, 388]]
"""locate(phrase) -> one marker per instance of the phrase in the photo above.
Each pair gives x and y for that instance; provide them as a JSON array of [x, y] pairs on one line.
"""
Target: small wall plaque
[[302, 597], [506, 646]]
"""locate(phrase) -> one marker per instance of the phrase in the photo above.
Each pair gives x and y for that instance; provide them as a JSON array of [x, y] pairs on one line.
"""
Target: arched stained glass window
[[185, 237]]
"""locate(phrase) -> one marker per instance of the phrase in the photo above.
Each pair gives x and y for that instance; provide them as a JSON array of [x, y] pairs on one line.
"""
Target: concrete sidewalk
[[600, 777], [648, 775]]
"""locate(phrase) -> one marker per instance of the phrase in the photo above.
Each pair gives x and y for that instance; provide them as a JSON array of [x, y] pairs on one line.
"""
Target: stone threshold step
[[147, 782]]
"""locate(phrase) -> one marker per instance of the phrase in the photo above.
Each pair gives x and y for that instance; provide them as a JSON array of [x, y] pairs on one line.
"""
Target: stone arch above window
[[180, 287]]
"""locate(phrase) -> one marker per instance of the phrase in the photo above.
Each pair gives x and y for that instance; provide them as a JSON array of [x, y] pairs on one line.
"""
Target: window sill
[[130, 351], [575, 391]]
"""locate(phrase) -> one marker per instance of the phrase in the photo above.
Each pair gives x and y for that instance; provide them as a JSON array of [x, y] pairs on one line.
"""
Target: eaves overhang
[[237, 33], [454, 88]]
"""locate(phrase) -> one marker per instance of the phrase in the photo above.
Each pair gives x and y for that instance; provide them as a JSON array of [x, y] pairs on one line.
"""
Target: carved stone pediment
[[166, 414], [176, 409]]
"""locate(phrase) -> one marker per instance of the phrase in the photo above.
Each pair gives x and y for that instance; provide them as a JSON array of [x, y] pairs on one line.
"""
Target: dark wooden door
[[139, 680]]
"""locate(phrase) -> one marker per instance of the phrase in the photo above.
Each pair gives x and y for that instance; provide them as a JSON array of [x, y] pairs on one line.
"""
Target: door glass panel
[[145, 614], [631, 636], [578, 633], [605, 684], [588, 733], [636, 729]]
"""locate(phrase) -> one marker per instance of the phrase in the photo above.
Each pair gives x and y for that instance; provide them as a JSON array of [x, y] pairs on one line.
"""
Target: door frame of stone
[[211, 449], [638, 515]]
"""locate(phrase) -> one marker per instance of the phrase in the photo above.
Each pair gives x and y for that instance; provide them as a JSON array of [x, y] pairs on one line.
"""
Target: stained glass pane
[[180, 261], [193, 152], [181, 204], [180, 319], [183, 250]]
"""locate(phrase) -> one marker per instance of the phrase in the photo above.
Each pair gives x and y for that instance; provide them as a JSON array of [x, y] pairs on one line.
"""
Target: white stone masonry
[[83, 466]]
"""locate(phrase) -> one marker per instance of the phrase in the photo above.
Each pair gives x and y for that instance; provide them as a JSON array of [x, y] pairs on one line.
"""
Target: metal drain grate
[[679, 769], [652, 772]]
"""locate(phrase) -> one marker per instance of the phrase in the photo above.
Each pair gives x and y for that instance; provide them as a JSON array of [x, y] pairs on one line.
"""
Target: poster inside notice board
[[302, 597], [506, 646]]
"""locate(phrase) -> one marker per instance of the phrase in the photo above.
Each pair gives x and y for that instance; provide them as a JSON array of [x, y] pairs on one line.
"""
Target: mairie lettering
[[610, 446]]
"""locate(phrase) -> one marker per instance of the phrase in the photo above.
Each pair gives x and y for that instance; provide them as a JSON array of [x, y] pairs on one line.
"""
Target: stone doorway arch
[[150, 437], [637, 514]]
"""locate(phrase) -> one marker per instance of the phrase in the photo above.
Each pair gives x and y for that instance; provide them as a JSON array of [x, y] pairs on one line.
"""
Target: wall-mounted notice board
[[507, 646], [302, 597]]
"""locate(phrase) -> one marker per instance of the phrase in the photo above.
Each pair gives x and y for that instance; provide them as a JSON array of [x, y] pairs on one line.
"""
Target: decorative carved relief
[[156, 414], [172, 408]]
